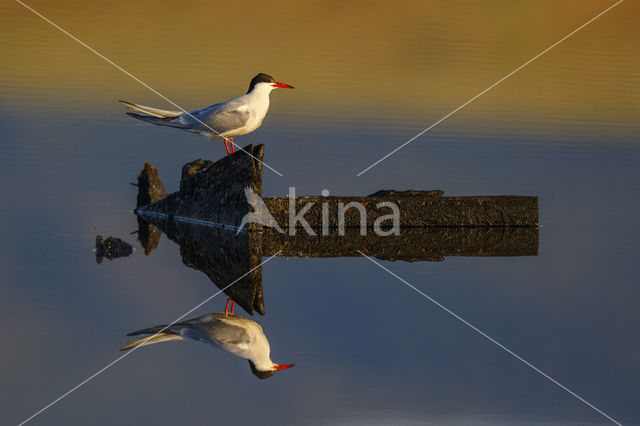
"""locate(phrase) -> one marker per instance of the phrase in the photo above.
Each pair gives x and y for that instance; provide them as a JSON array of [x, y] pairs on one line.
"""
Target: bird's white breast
[[257, 104]]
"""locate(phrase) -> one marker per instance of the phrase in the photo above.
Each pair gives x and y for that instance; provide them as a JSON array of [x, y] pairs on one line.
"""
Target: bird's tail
[[148, 340], [153, 112], [157, 334], [154, 115]]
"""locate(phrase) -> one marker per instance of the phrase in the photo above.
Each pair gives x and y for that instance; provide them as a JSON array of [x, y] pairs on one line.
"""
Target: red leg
[[233, 306], [226, 306], [226, 147], [233, 149]]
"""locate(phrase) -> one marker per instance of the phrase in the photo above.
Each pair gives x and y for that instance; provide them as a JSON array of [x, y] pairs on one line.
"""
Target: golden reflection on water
[[380, 63]]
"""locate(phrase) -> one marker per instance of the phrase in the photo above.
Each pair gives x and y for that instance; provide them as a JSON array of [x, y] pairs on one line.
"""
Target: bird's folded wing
[[218, 332], [222, 117]]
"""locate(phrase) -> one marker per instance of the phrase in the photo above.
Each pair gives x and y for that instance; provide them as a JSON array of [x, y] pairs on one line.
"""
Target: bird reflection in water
[[233, 333]]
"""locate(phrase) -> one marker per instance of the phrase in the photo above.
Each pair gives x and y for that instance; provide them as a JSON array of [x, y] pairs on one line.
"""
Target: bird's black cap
[[261, 374], [261, 78]]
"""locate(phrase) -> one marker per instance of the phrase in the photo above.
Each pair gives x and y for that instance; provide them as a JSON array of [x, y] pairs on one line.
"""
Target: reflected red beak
[[283, 366], [283, 85]]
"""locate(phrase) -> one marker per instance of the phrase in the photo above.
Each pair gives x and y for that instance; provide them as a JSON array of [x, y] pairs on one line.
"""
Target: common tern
[[226, 120], [234, 333]]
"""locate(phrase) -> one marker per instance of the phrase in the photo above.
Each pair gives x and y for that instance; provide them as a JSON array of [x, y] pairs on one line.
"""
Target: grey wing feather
[[224, 117], [218, 331], [215, 328]]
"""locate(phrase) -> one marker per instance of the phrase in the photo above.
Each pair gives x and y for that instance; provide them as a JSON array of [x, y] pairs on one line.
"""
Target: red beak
[[283, 85], [283, 366]]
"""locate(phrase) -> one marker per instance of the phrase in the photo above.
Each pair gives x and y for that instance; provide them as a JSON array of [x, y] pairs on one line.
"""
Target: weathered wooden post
[[205, 217]]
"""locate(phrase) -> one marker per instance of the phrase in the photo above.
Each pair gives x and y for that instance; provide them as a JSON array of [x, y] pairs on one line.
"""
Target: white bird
[[234, 333], [226, 120]]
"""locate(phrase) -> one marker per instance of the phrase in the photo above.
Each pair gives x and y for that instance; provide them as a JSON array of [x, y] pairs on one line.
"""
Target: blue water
[[366, 347]]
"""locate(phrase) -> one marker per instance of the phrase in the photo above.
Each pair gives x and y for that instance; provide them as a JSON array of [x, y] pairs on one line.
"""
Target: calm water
[[368, 350]]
